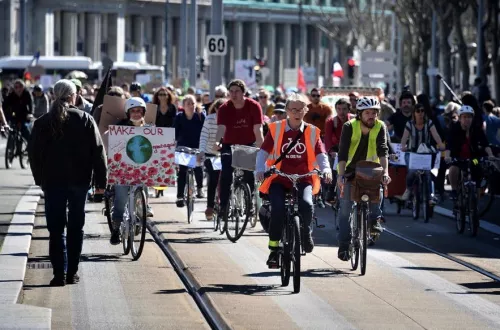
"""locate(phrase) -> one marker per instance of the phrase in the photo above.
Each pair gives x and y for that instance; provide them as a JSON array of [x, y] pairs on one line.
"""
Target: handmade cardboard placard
[[141, 155]]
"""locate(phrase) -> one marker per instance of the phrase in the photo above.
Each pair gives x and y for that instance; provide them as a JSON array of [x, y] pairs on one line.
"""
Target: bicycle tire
[[189, 196], [257, 204], [22, 152], [425, 201], [296, 254], [9, 153], [354, 243], [364, 236], [140, 216], [108, 205], [416, 203], [285, 253], [236, 212], [473, 215], [125, 231], [461, 210]]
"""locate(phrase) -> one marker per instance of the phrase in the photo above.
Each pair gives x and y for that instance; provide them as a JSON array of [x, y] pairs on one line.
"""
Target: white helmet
[[134, 102], [466, 109], [368, 102]]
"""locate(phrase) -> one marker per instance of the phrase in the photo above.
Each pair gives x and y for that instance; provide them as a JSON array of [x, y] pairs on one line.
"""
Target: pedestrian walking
[[65, 151]]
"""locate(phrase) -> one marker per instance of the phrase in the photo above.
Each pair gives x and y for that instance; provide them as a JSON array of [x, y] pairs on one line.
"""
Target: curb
[[207, 306], [485, 225], [13, 259]]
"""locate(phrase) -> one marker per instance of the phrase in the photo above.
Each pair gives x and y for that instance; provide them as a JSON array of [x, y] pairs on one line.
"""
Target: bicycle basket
[[244, 157], [367, 181], [182, 158]]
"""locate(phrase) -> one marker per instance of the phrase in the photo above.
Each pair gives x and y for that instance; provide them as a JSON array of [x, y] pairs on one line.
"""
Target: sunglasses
[[262, 97], [314, 95], [419, 110], [162, 94]]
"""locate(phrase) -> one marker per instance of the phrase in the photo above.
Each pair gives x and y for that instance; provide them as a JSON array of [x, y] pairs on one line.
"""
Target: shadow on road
[[250, 290]]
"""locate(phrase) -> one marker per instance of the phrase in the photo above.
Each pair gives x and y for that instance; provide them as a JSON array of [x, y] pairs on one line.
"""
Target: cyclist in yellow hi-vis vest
[[305, 153], [363, 138]]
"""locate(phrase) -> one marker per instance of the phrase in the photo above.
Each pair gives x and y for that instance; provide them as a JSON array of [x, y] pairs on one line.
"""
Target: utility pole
[[193, 42], [434, 59], [216, 25], [22, 27], [480, 42], [167, 42]]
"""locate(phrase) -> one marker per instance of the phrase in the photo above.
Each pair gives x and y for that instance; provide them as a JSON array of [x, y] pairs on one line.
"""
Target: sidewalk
[[114, 292]]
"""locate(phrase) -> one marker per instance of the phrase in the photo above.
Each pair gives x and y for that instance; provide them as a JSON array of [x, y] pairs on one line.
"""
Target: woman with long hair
[[188, 125], [209, 148], [167, 110], [65, 152], [418, 130]]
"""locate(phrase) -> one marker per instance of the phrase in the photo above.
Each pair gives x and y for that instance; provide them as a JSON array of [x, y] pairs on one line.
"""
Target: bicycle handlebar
[[187, 150], [291, 177]]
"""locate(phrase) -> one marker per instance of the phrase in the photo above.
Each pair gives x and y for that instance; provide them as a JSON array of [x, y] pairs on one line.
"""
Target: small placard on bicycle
[[186, 157], [244, 157], [216, 163], [420, 161]]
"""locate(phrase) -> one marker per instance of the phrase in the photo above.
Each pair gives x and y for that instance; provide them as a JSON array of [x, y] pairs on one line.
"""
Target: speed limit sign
[[217, 45]]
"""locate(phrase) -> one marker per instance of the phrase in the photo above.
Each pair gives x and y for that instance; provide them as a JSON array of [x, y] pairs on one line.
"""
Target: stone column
[[255, 39], [44, 33], [81, 40], [57, 32], [149, 38], [271, 53], [287, 46], [69, 33], [116, 36], [93, 36], [138, 33], [202, 36], [159, 41], [238, 40]]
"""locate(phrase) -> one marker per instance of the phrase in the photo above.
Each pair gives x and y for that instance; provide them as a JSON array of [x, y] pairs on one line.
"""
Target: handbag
[[367, 181]]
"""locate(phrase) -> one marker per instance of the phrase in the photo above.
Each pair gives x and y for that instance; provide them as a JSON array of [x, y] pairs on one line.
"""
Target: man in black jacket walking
[[65, 151]]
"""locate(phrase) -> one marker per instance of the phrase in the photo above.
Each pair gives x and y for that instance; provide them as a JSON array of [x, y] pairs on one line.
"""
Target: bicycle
[[487, 187], [421, 195], [109, 197], [257, 203], [291, 244], [361, 237], [17, 146], [466, 203], [216, 217], [238, 206], [189, 190]]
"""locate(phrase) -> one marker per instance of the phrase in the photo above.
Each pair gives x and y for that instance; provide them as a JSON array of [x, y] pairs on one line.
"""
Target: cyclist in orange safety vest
[[307, 154]]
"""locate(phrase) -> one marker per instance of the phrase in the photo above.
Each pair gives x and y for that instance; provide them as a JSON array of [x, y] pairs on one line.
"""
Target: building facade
[[135, 31]]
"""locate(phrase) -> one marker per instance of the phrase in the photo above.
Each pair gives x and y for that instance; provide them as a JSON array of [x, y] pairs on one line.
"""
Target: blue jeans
[[344, 235], [120, 200], [65, 207]]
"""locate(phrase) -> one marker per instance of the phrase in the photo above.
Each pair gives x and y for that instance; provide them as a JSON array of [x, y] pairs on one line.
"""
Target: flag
[[301, 83], [103, 90], [337, 70]]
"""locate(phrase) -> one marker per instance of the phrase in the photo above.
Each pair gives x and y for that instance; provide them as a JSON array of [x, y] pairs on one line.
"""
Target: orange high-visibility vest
[[311, 135]]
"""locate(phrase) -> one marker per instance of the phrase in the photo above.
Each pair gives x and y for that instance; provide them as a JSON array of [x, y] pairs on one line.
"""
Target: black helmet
[[135, 86], [38, 88]]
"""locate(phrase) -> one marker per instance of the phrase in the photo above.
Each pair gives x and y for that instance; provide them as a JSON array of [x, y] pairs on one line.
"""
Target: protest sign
[[141, 155]]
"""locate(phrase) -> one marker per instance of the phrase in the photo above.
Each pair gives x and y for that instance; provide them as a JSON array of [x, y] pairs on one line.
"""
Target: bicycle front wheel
[[125, 230], [238, 211], [416, 203], [425, 201], [108, 209], [189, 196], [286, 252], [460, 211], [296, 254], [137, 235], [363, 221], [354, 240], [473, 213], [9, 151], [23, 152]]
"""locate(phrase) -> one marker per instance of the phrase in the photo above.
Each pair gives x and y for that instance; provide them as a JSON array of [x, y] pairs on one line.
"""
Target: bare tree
[[416, 16], [459, 8]]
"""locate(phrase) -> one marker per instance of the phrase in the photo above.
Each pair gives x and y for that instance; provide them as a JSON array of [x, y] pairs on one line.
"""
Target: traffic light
[[260, 63], [202, 64], [351, 64]]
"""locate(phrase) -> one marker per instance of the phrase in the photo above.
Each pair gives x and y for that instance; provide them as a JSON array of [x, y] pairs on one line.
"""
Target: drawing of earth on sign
[[139, 149]]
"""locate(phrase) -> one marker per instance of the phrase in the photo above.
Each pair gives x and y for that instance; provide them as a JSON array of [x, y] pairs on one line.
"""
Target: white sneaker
[[149, 211], [406, 194]]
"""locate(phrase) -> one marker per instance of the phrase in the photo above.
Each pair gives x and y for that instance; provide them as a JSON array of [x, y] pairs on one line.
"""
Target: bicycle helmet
[[134, 102], [38, 88], [135, 86], [368, 102], [466, 109]]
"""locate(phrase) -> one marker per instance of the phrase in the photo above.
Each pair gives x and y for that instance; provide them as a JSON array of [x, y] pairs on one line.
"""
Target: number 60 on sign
[[217, 45]]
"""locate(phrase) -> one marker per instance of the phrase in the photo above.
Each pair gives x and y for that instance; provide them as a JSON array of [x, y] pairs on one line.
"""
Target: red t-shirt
[[465, 150], [295, 162], [239, 122]]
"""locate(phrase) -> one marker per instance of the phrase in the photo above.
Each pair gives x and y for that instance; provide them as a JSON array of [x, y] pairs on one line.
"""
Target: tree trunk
[[462, 52], [445, 52], [426, 46]]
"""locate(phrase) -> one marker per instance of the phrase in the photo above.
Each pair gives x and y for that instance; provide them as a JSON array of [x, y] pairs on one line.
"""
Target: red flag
[[301, 83], [337, 70]]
